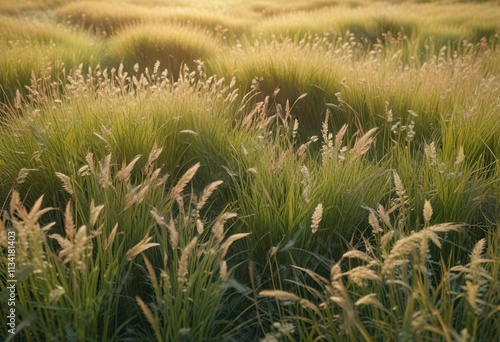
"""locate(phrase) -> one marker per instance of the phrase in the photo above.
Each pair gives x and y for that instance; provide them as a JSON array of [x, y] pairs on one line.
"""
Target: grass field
[[323, 170]]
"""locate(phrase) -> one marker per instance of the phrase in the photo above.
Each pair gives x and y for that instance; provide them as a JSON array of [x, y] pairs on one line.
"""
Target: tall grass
[[280, 171], [171, 45], [38, 49]]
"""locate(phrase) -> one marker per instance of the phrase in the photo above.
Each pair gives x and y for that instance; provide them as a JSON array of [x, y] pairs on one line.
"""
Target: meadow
[[230, 170]]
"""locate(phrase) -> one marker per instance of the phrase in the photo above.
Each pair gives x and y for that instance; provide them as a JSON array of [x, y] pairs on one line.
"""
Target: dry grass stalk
[[153, 321], [105, 172], [126, 170], [225, 246], [360, 275], [111, 238], [183, 263], [362, 145], [373, 221], [218, 228], [181, 184], [173, 234], [460, 156], [153, 156], [94, 213], [309, 305], [66, 181], [200, 227], [152, 274], [403, 247], [69, 226], [370, 299], [384, 216], [143, 245], [316, 217], [160, 220], [75, 250], [207, 192], [280, 295], [223, 270], [427, 213], [23, 174]]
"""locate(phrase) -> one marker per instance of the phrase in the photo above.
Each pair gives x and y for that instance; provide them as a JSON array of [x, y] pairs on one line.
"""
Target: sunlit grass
[[243, 170]]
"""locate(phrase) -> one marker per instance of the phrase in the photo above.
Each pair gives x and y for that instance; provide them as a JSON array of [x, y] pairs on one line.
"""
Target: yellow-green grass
[[355, 222], [40, 49], [107, 18], [364, 89], [171, 45]]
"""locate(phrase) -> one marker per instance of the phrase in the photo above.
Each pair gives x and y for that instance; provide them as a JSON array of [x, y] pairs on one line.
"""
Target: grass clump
[[171, 45], [32, 49]]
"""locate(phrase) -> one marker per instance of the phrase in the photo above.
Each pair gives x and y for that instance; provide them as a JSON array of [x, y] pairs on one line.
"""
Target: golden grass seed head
[[280, 295], [66, 181], [427, 212], [181, 184], [140, 247], [316, 217], [173, 234], [183, 263]]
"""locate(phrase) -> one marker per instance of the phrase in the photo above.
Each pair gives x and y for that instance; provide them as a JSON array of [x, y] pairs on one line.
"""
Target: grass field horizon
[[323, 170]]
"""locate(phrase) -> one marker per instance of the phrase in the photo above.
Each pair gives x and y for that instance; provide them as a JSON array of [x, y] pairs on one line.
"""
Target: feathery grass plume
[[153, 320], [430, 153], [354, 253], [183, 263], [173, 234], [225, 246], [105, 172], [295, 129], [75, 250], [89, 158], [339, 137], [152, 275], [218, 227], [200, 227], [460, 156], [111, 238], [55, 294], [384, 216], [207, 192], [126, 170], [23, 174], [476, 277], [374, 223], [306, 304], [361, 274], [306, 183], [153, 156], [280, 295], [327, 147], [31, 218], [160, 220], [94, 213], [400, 190], [69, 226], [66, 181], [135, 195], [370, 299], [362, 145], [223, 270], [404, 246], [427, 213], [176, 191], [140, 247], [304, 147], [316, 217]]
